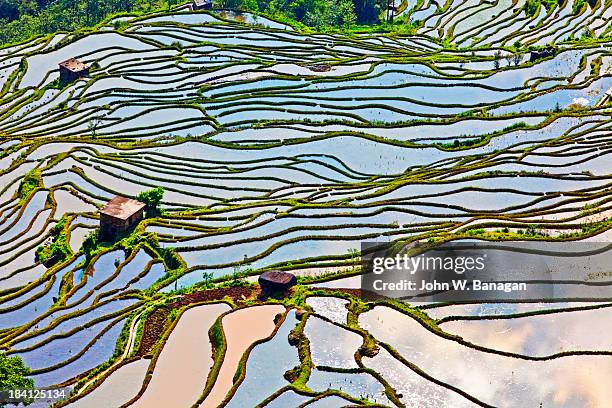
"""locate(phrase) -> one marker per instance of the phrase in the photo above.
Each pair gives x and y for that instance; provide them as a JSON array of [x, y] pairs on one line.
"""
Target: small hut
[[120, 215], [272, 281], [201, 5], [72, 69], [543, 53]]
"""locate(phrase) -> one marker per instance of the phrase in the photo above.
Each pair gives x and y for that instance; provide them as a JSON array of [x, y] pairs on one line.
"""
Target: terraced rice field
[[280, 149]]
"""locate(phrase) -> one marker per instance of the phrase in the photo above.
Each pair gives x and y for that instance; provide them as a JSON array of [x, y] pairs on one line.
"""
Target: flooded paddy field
[[280, 149]]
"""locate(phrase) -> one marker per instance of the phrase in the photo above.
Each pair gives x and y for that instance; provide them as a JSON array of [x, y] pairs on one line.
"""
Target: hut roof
[[73, 65], [122, 207], [201, 2], [277, 277]]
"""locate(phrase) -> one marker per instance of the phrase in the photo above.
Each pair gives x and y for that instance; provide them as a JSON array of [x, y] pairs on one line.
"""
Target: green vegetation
[[217, 338], [30, 182], [207, 280], [58, 249], [533, 6], [322, 14], [461, 144], [13, 372], [578, 6], [152, 198], [90, 245], [137, 237], [329, 13], [458, 144], [238, 275], [367, 154], [170, 258], [20, 20]]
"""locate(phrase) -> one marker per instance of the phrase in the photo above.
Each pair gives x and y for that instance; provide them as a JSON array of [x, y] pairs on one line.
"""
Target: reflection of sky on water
[[572, 381], [539, 335], [330, 402], [98, 353], [331, 345], [359, 385], [330, 307], [117, 388], [413, 388], [33, 307], [484, 309], [353, 282], [563, 97], [266, 365], [40, 64], [287, 399]]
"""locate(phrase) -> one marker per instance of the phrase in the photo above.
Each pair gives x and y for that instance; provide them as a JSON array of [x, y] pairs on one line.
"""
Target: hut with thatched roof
[[273, 281], [71, 70]]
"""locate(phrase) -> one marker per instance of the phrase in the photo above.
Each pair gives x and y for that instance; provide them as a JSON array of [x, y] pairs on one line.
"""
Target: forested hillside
[[22, 19], [317, 13]]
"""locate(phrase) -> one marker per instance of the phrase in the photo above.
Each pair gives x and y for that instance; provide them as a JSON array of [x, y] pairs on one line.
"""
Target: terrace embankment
[[157, 321], [242, 328], [184, 363]]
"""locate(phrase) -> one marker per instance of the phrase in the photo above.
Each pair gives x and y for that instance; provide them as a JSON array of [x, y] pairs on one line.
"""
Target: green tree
[[367, 11], [13, 372], [92, 125], [249, 5], [152, 199], [30, 182], [9, 10], [329, 13], [207, 278]]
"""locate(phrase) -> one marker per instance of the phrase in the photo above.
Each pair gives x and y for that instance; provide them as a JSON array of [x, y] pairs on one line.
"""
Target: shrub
[[58, 249]]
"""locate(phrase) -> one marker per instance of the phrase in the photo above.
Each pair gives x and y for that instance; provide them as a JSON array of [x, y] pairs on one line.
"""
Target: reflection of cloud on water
[[497, 380], [415, 390], [580, 101], [581, 382], [539, 335]]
